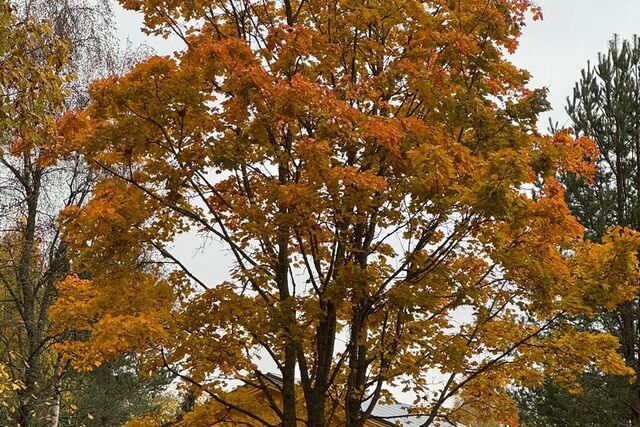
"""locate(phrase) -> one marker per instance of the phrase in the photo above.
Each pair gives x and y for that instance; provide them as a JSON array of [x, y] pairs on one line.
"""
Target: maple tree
[[374, 170]]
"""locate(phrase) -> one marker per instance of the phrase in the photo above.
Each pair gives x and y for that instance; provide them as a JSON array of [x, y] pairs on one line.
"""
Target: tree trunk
[[286, 304], [316, 394], [628, 349], [28, 392], [357, 368], [57, 396], [316, 411]]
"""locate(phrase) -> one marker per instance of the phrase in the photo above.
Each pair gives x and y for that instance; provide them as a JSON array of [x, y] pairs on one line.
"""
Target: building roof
[[398, 415]]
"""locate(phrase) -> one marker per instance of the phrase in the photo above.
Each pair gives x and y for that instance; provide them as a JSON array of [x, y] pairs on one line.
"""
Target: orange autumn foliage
[[369, 167]]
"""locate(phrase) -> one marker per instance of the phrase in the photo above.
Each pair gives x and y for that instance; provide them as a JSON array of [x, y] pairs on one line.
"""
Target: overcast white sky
[[573, 31], [554, 50]]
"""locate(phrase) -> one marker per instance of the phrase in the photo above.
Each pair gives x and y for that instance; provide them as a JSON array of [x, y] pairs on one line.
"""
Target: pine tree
[[113, 393], [605, 106]]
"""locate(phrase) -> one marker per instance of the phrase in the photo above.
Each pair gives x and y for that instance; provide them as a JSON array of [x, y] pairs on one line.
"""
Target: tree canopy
[[375, 172]]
